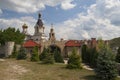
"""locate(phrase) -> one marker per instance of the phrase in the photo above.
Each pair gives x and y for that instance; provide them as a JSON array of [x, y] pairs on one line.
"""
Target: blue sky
[[72, 19]]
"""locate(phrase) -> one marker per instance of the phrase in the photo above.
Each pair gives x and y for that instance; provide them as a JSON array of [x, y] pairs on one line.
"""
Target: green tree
[[43, 54], [48, 58], [21, 54], [118, 55], [93, 54], [58, 57], [106, 66], [35, 55], [84, 54], [74, 61], [14, 35]]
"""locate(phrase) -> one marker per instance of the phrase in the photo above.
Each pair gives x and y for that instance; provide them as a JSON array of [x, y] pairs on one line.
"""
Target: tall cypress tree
[[118, 55], [58, 57]]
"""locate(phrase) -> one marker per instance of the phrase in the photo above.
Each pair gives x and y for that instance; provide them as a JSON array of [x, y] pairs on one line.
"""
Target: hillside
[[115, 42]]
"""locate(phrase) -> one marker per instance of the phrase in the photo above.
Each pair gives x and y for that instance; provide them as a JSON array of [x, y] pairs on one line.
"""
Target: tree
[[74, 61], [93, 57], [14, 35], [58, 57], [84, 53], [35, 56], [118, 55], [106, 66], [89, 55], [43, 54], [21, 54], [48, 58]]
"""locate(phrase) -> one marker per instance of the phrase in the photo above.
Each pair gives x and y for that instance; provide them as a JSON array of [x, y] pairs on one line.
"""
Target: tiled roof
[[30, 43], [73, 43]]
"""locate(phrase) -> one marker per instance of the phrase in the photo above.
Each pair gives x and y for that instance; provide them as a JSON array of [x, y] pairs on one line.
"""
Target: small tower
[[52, 35], [24, 27]]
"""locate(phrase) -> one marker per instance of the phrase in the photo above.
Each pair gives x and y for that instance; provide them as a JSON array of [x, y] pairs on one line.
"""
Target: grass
[[37, 71]]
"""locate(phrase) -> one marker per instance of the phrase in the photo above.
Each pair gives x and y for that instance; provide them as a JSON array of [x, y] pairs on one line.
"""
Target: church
[[40, 39]]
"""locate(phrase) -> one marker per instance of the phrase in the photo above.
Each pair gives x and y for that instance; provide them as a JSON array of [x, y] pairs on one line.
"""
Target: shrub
[[35, 55], [74, 61], [21, 54]]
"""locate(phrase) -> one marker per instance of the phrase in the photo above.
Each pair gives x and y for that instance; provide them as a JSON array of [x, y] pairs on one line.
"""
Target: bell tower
[[52, 34]]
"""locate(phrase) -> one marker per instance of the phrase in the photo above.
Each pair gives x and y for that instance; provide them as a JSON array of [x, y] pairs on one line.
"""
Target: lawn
[[12, 69]]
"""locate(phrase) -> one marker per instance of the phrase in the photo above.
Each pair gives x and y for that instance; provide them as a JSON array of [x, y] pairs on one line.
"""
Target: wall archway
[[54, 47]]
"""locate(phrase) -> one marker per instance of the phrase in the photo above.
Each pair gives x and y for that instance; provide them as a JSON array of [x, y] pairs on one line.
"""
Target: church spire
[[52, 34], [39, 22], [39, 16]]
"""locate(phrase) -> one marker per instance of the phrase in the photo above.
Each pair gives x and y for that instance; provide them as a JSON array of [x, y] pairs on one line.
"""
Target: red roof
[[73, 43], [30, 43]]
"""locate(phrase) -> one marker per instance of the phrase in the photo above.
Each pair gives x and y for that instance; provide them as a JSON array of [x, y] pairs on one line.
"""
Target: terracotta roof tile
[[30, 43], [73, 43]]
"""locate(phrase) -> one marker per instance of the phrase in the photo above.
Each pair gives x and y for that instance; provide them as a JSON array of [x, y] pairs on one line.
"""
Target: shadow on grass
[[91, 77]]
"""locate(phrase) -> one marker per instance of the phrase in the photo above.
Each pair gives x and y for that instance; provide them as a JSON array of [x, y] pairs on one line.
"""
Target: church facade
[[39, 39]]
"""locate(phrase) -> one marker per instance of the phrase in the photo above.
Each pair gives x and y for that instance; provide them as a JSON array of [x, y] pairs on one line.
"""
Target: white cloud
[[101, 20], [17, 23], [67, 5], [31, 6], [1, 11]]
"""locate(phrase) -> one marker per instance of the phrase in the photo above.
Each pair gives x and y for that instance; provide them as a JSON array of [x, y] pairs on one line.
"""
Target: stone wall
[[7, 49]]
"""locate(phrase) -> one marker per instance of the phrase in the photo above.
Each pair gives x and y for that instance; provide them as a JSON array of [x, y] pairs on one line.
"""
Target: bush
[[106, 66], [21, 54], [35, 55], [74, 61], [58, 57]]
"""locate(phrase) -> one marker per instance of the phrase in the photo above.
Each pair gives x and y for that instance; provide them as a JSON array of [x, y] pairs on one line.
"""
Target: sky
[[71, 19]]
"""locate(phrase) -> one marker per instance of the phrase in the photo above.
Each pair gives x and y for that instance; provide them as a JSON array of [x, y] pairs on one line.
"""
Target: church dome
[[24, 26]]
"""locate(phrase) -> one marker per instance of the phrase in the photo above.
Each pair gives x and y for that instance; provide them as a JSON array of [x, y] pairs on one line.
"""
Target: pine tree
[[118, 55], [35, 56], [74, 61], [43, 54], [21, 54], [58, 57], [106, 66], [48, 58]]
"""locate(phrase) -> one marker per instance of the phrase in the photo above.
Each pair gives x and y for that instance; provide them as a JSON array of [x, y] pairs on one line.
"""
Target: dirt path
[[12, 70]]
